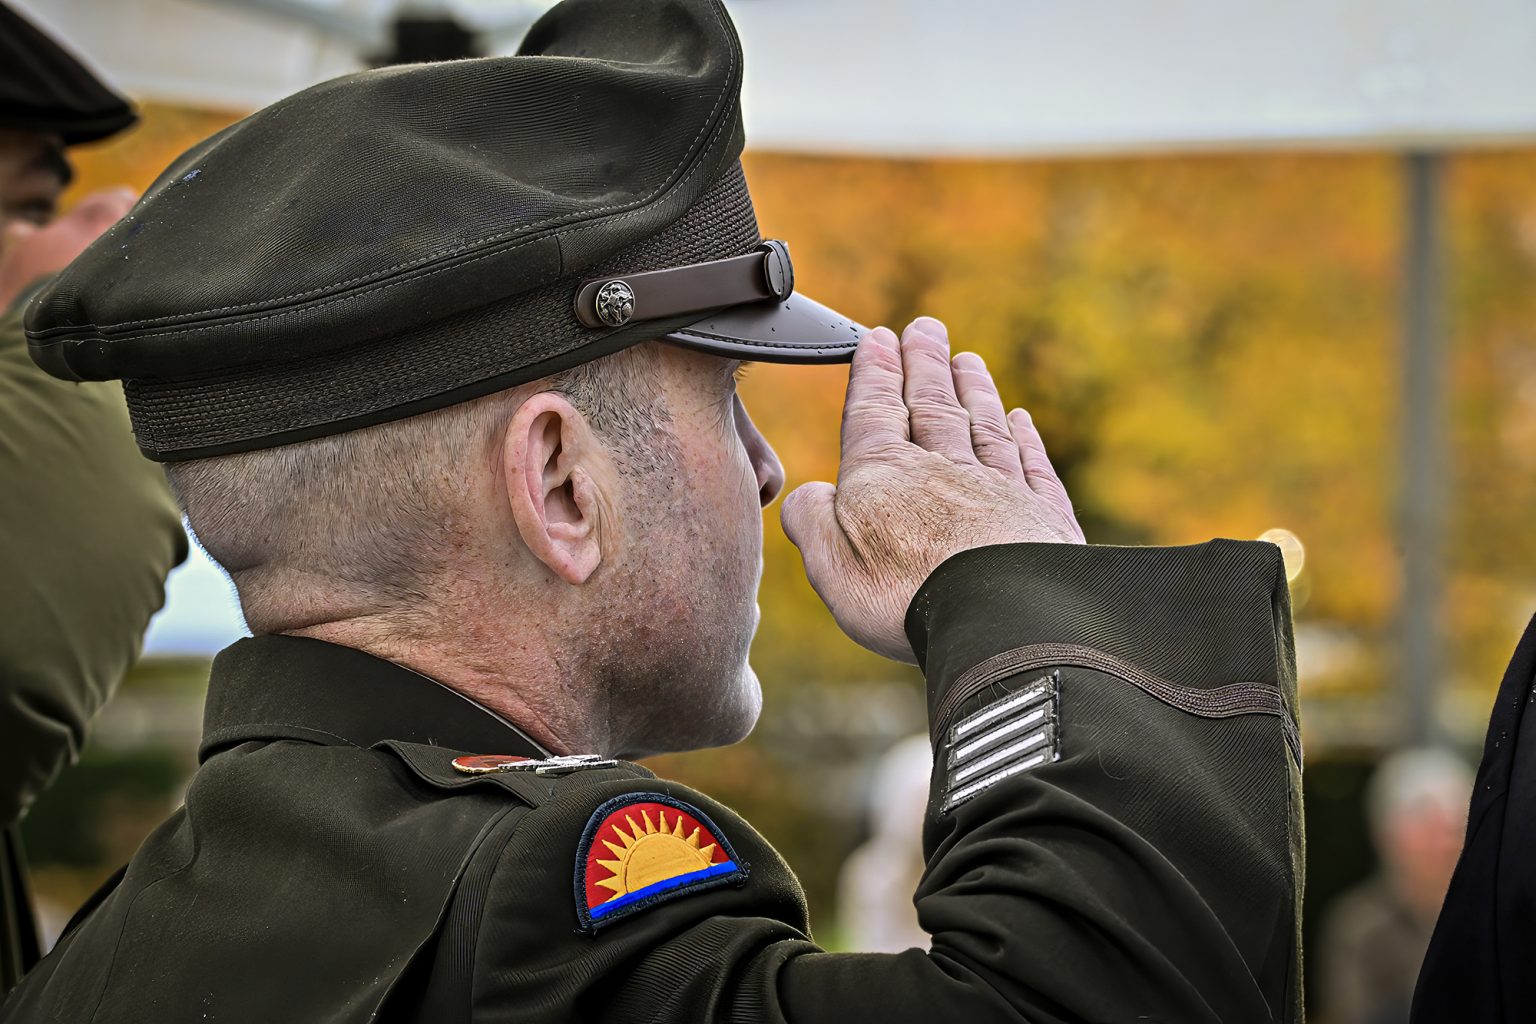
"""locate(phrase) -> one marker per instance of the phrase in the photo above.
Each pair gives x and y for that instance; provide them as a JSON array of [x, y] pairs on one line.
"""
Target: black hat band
[[661, 294], [455, 359]]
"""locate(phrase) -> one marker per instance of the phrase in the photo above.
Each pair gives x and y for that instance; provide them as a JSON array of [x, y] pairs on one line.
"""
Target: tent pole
[[1424, 449]]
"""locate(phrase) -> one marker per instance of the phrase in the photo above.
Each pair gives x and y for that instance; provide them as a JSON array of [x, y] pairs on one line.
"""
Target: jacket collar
[[295, 688]]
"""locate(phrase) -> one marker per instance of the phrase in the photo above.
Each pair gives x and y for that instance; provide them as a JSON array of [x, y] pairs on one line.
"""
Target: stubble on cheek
[[680, 631]]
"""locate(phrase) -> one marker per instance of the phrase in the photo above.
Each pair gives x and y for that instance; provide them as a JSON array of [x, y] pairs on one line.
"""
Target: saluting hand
[[29, 253], [931, 466]]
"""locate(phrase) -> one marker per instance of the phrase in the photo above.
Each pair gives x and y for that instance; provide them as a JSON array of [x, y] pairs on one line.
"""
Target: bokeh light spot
[[1291, 550]]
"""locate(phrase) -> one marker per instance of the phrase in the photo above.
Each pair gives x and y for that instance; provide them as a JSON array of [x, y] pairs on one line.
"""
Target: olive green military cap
[[403, 239]]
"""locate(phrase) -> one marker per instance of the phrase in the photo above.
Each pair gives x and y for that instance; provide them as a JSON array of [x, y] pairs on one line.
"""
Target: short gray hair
[[1412, 780], [375, 513]]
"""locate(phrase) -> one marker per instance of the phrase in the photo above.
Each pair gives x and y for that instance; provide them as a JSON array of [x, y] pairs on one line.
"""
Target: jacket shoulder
[[597, 866]]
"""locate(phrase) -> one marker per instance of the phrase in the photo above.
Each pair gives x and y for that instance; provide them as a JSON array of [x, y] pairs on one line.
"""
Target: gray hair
[[375, 514], [1413, 780]]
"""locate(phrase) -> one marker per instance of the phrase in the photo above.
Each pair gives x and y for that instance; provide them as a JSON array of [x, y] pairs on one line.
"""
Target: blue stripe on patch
[[732, 871], [665, 885]]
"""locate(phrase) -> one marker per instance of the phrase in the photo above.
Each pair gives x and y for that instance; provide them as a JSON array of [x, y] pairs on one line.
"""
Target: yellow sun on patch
[[651, 852], [658, 849]]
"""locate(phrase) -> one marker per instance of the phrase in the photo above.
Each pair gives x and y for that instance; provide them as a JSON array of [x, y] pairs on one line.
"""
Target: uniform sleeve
[[1112, 832], [90, 532]]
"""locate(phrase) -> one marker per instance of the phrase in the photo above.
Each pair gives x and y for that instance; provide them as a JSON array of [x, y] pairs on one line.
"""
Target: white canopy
[[948, 76]]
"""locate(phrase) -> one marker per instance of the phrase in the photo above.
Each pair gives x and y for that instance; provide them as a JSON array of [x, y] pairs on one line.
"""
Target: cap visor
[[797, 330]]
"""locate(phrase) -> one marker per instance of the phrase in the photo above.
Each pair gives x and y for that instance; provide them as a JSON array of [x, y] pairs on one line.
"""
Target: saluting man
[[449, 392]]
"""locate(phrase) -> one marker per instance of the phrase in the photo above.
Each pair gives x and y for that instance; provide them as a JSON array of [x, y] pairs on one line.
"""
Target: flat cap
[[402, 239], [45, 88]]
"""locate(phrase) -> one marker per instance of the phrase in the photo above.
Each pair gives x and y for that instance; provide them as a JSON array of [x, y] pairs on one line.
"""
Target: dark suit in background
[[1481, 964]]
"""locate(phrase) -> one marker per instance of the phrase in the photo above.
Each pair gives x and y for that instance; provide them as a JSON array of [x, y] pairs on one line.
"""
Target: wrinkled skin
[[931, 466], [688, 569], [600, 591]]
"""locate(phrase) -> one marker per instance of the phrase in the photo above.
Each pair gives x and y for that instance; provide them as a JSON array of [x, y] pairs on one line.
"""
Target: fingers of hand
[[991, 437], [874, 415], [939, 423], [100, 210], [1038, 471]]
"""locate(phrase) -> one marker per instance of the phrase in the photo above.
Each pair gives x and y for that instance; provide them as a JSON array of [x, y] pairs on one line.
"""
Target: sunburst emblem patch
[[642, 849]]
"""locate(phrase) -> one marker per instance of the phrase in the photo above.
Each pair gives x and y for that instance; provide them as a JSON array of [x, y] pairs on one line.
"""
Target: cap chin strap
[[763, 274]]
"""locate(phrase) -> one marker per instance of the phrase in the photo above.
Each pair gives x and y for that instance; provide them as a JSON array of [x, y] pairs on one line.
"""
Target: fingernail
[[884, 336], [913, 332], [969, 361], [931, 327]]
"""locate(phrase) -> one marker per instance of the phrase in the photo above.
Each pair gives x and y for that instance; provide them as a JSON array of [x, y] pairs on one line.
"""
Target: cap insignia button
[[615, 303]]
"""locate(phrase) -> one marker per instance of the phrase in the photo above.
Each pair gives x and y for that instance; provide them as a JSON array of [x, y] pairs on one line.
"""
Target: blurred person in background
[[88, 529], [875, 886], [1375, 935]]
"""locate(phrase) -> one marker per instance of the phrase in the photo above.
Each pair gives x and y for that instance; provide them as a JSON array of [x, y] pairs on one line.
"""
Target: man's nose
[[765, 461]]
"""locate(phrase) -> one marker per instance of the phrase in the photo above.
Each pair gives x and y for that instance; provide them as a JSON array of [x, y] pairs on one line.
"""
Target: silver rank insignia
[[487, 764], [1011, 735]]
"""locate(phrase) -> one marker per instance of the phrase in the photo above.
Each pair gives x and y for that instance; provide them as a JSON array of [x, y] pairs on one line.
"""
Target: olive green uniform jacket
[[1113, 834], [88, 532]]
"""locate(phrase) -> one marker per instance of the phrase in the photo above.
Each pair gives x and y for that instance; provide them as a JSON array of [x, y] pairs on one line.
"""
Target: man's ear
[[548, 459]]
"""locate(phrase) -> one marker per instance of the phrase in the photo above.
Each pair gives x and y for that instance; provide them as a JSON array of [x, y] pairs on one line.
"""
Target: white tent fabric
[[1027, 77]]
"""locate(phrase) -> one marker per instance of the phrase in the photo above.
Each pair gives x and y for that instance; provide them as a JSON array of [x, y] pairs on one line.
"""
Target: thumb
[[100, 210], [15, 231], [808, 518], [810, 523]]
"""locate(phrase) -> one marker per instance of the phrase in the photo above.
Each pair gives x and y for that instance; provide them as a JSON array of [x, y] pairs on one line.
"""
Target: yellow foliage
[[1210, 345]]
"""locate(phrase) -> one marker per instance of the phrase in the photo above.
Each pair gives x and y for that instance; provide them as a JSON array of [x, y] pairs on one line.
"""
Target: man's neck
[[520, 679]]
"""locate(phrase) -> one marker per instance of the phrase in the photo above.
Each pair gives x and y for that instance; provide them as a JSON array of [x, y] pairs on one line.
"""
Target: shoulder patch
[[643, 849]]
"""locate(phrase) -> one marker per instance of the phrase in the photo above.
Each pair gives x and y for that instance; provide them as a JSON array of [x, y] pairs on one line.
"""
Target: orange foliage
[[137, 157], [1206, 342], [1210, 345]]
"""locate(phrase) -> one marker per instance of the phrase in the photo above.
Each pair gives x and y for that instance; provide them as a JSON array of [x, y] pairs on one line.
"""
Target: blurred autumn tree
[[1206, 342], [1209, 344]]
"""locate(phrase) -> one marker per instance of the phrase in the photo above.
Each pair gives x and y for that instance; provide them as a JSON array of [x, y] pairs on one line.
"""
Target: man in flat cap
[[450, 395], [89, 528]]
